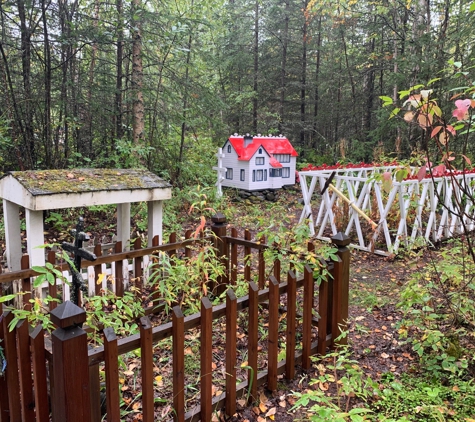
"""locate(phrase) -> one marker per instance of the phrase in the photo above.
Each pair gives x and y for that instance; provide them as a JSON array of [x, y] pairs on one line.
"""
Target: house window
[[259, 175], [260, 161], [229, 149], [260, 150], [282, 158], [265, 175], [243, 175], [285, 172], [229, 174], [275, 173]]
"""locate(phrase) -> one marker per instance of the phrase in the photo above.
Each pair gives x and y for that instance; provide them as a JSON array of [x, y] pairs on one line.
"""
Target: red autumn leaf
[[421, 173], [450, 129], [439, 170], [467, 160], [435, 131]]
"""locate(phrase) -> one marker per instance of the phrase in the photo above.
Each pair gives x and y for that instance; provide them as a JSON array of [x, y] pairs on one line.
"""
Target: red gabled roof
[[272, 145]]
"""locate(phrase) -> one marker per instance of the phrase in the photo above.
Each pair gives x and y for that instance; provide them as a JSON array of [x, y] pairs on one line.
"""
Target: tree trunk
[[89, 129], [47, 94], [137, 77], [119, 74], [256, 67], [283, 82], [185, 104], [29, 139], [317, 82], [303, 80]]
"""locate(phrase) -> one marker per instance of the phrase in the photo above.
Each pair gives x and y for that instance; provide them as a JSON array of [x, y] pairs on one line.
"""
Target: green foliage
[[39, 314], [289, 243], [345, 379], [431, 400], [184, 280], [110, 310]]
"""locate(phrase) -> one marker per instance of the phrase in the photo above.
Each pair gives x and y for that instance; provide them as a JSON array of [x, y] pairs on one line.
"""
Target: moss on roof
[[48, 182]]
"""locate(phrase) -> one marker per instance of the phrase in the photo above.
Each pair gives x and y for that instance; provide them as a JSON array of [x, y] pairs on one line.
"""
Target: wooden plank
[[206, 359], [273, 333], [261, 266], [52, 288], [290, 329], [24, 367], [138, 265], [323, 294], [172, 239], [97, 270], [336, 273], [253, 328], [231, 335], [11, 371], [188, 250], [26, 283], [247, 257], [37, 342], [234, 258], [119, 272], [112, 374], [308, 292], [178, 325], [277, 269], [4, 406], [95, 393], [146, 348]]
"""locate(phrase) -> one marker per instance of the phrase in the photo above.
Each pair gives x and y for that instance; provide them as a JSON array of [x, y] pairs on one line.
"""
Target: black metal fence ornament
[[79, 253]]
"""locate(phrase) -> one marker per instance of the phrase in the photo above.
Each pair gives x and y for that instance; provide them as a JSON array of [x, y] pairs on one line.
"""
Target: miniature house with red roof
[[259, 162]]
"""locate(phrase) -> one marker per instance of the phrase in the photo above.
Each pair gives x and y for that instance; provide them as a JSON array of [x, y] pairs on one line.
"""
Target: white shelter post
[[11, 214], [123, 225], [35, 237], [221, 170], [155, 215]]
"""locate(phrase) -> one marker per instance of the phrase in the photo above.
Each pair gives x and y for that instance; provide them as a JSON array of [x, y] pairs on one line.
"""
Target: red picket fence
[[61, 380]]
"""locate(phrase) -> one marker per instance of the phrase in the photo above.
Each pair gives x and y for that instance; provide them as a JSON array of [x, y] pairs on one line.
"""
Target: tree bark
[[185, 104], [317, 83], [256, 68], [29, 138], [137, 77], [119, 74], [47, 85], [303, 81], [283, 82]]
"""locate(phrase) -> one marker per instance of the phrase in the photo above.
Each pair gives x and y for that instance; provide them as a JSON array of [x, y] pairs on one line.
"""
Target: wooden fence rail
[[63, 382]]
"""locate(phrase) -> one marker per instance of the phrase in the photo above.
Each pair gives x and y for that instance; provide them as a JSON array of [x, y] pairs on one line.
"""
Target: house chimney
[[247, 140]]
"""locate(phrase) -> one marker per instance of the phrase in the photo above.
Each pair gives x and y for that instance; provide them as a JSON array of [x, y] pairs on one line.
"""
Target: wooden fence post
[[341, 283], [71, 401], [218, 226]]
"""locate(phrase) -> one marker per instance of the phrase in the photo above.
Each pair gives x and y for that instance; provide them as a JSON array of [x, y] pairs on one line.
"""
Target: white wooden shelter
[[41, 190], [426, 209]]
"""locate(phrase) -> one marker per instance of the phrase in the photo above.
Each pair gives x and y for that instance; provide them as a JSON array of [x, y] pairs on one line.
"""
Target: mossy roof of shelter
[[49, 182]]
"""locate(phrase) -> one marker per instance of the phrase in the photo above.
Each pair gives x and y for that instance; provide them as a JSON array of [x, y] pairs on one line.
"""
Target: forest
[[162, 84]]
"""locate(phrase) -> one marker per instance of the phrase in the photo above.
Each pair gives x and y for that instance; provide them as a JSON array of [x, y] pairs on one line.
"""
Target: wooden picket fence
[[57, 377]]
